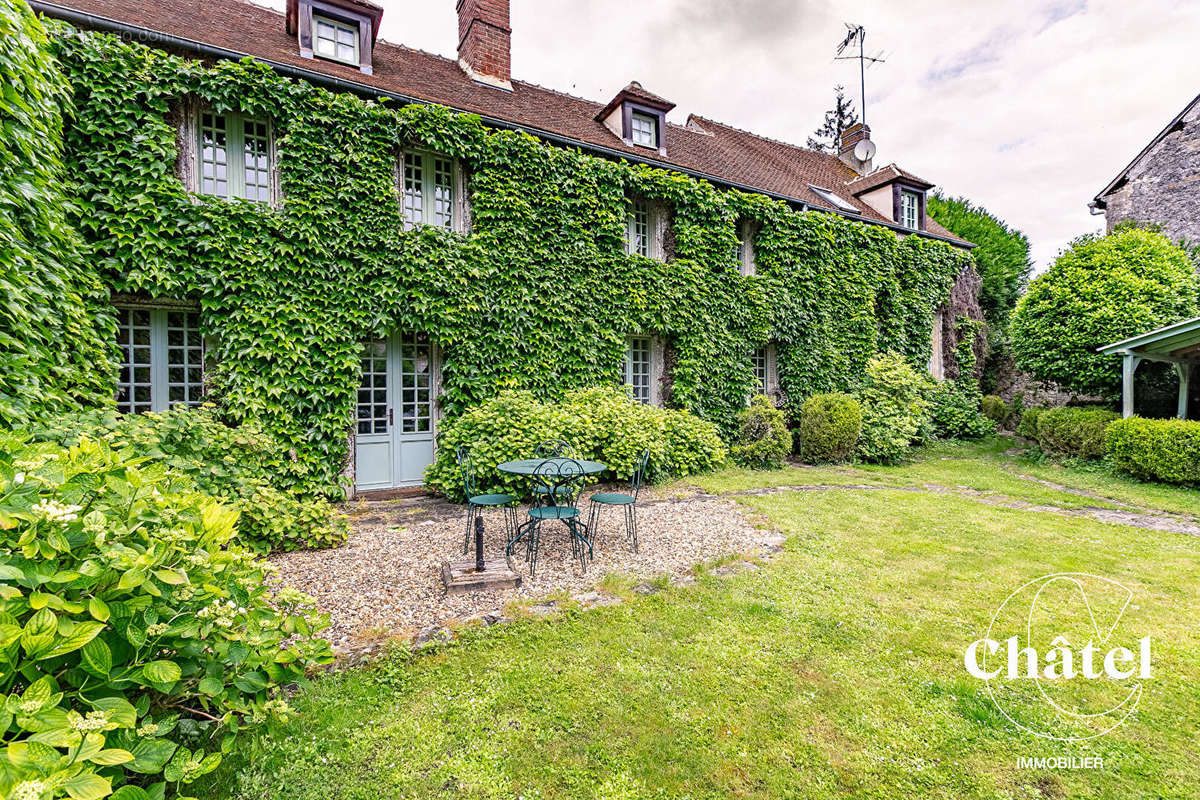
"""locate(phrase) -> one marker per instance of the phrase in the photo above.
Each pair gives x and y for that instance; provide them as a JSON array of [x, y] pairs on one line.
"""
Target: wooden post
[[1128, 367], [1185, 374]]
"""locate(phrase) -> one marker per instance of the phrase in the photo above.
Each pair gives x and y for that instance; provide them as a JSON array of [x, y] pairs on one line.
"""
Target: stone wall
[[1164, 187]]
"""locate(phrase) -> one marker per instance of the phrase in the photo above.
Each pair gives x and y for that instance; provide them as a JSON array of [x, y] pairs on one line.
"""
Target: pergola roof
[[1178, 342]]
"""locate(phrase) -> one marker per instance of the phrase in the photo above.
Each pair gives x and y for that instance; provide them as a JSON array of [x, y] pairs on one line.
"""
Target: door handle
[[391, 420]]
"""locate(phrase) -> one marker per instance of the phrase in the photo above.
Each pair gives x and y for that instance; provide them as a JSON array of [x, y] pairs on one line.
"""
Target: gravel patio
[[385, 581]]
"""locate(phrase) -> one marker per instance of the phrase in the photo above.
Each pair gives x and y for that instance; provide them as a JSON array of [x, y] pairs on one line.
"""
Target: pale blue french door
[[395, 412]]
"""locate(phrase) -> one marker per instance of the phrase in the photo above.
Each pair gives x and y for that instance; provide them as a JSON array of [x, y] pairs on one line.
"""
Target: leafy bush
[[601, 424], [894, 405], [1165, 450], [242, 465], [1100, 290], [1075, 432], [829, 428], [1028, 426], [998, 411], [137, 636], [763, 439]]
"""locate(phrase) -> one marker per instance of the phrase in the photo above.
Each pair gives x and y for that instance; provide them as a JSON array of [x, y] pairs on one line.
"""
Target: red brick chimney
[[485, 41], [849, 152]]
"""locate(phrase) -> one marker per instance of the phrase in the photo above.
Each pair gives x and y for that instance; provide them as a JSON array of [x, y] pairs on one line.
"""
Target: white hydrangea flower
[[28, 790], [54, 511]]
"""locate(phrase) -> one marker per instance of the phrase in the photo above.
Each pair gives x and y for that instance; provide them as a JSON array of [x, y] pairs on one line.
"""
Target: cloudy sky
[[1028, 108]]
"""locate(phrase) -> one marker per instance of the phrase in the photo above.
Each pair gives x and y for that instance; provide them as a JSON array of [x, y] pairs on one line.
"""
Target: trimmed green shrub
[[894, 406], [243, 465], [1075, 432], [137, 636], [829, 428], [1028, 426], [1100, 290], [763, 439], [998, 411], [601, 424], [1165, 450]]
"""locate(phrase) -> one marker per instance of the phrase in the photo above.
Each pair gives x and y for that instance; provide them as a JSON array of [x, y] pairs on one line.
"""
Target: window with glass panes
[[910, 209], [335, 39], [162, 359], [638, 233], [637, 368], [428, 191], [644, 129], [235, 156], [762, 372]]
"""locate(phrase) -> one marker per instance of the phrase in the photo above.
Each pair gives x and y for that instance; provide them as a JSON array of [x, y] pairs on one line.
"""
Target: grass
[[834, 671]]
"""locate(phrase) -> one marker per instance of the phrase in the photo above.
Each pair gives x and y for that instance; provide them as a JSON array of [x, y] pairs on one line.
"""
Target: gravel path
[[385, 580]]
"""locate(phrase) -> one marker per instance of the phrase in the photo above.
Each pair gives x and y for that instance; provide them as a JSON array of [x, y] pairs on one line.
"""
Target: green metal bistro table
[[541, 467]]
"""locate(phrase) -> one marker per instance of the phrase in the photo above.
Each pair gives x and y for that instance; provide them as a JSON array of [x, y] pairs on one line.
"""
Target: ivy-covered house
[[351, 239]]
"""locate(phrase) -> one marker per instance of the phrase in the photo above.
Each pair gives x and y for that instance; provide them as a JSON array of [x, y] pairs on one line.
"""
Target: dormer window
[[339, 30], [644, 129], [335, 39], [638, 117]]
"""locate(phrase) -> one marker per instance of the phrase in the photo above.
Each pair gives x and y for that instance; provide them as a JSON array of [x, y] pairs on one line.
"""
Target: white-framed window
[[162, 359], [234, 156], [644, 228], [427, 191], [643, 129], [639, 368], [910, 209], [766, 374], [745, 247], [335, 39]]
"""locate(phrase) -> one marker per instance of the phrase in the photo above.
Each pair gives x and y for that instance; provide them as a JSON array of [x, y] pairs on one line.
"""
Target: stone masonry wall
[[1164, 187]]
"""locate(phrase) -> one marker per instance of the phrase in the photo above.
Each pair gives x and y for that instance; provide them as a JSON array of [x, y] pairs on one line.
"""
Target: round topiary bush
[[1100, 290], [830, 425], [995, 409], [763, 439]]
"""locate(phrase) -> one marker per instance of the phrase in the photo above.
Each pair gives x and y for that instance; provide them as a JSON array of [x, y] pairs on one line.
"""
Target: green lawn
[[833, 671]]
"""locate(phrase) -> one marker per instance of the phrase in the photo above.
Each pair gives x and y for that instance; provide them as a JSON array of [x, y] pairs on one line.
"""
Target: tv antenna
[[857, 35]]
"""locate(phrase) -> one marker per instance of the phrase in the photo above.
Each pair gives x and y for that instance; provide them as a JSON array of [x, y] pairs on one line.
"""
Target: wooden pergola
[[1177, 344]]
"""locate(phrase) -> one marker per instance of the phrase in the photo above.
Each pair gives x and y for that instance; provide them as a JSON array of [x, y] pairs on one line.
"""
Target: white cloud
[[1028, 108]]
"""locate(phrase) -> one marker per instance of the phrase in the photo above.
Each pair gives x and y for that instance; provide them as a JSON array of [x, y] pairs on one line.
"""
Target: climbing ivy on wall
[[540, 294], [55, 336]]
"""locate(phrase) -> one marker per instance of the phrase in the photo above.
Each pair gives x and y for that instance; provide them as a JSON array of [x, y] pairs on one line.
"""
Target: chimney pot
[[858, 132], [485, 42]]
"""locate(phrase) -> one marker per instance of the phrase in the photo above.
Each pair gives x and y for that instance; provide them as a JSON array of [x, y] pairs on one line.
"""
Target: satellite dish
[[864, 150]]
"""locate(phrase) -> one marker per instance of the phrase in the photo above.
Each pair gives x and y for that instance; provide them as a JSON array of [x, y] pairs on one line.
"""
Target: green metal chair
[[555, 475], [626, 501], [477, 502], [552, 448]]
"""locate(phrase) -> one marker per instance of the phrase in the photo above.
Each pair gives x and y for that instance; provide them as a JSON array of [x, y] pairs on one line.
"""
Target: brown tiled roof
[[884, 176], [703, 146]]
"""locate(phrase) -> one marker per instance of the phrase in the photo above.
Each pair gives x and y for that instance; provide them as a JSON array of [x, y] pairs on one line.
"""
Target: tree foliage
[[828, 137], [1002, 254], [55, 342], [540, 295], [1100, 290]]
